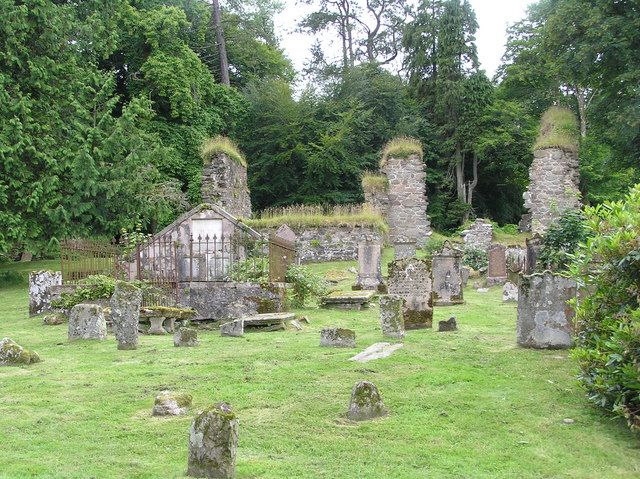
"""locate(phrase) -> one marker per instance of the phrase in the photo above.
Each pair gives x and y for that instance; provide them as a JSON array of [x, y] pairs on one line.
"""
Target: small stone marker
[[509, 293], [366, 402], [86, 321], [185, 337], [545, 320], [497, 269], [125, 314], [448, 325], [338, 338], [232, 328], [465, 272], [447, 276], [376, 351], [391, 316], [213, 443], [410, 278], [171, 404], [53, 319], [40, 282], [369, 272], [12, 354]]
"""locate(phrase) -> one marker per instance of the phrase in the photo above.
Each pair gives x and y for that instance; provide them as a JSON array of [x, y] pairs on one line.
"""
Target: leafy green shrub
[[433, 245], [306, 285], [11, 278], [607, 265], [475, 258], [252, 270], [561, 240], [507, 229], [97, 287]]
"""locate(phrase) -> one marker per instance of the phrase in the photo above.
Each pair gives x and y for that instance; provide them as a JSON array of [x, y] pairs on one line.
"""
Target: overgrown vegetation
[[306, 285], [477, 259], [222, 144], [558, 129], [96, 287], [401, 147], [561, 240], [607, 266], [373, 182]]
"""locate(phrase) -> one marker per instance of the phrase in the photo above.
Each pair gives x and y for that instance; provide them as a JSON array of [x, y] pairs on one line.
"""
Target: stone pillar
[[554, 180], [224, 184], [213, 443], [497, 269], [376, 193], [125, 314], [366, 402], [407, 215], [545, 320], [447, 276], [369, 272], [391, 316], [478, 236], [410, 278], [86, 321], [39, 284]]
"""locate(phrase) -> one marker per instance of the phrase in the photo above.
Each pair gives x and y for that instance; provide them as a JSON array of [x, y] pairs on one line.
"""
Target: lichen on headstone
[[12, 354]]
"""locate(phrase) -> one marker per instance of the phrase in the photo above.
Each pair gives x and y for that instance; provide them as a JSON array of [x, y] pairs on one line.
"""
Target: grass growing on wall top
[[558, 129], [401, 147], [317, 215], [222, 144], [372, 182]]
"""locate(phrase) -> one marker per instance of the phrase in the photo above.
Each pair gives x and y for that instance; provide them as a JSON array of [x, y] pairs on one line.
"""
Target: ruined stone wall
[[478, 236], [378, 199], [407, 213], [553, 188], [224, 183]]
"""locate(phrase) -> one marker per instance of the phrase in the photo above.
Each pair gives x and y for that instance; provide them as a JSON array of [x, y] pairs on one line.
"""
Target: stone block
[[232, 328], [509, 293], [40, 283], [185, 337], [12, 354], [449, 325], [366, 402], [86, 321], [171, 404], [338, 338], [125, 314], [392, 317]]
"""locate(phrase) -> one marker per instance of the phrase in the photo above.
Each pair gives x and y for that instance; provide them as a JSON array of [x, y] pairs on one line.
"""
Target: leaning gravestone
[[338, 338], [213, 443], [125, 314], [39, 284], [171, 404], [233, 328], [509, 293], [12, 354], [447, 276], [185, 337], [497, 269], [545, 320], [410, 278], [366, 402], [391, 316], [86, 321], [369, 273]]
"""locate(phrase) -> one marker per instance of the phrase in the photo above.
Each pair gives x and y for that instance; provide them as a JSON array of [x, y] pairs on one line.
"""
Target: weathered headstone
[[509, 293], [369, 272], [125, 314], [376, 351], [286, 233], [497, 269], [446, 270], [185, 337], [449, 325], [464, 273], [545, 320], [410, 279], [168, 403], [26, 256], [403, 248], [233, 328], [366, 402], [12, 354], [478, 236], [534, 246], [86, 321], [338, 338], [39, 284], [213, 443], [391, 316]]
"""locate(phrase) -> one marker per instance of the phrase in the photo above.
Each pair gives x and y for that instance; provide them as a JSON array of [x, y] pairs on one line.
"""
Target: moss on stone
[[558, 129], [401, 147], [222, 144], [169, 312]]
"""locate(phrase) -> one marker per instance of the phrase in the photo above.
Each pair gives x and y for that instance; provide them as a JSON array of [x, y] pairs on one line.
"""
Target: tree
[[222, 47]]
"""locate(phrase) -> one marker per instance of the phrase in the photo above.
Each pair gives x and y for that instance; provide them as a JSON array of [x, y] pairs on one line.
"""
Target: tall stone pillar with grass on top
[[404, 167], [224, 177], [554, 175]]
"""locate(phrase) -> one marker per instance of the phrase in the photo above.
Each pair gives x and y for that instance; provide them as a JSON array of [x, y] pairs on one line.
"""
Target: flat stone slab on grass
[[337, 338], [376, 351], [268, 319], [347, 299], [233, 328]]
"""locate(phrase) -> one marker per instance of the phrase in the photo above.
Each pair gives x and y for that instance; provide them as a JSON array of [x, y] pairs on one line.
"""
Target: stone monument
[[125, 314], [39, 284], [391, 316], [497, 269], [410, 278], [369, 273], [447, 276]]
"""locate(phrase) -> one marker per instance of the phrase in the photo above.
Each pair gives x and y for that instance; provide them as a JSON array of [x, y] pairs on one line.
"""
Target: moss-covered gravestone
[[366, 402], [391, 316], [171, 404], [86, 321], [338, 338], [410, 278], [185, 337], [213, 442], [12, 354], [125, 314]]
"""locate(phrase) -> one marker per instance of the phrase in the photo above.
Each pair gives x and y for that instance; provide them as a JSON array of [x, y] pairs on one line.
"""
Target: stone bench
[[163, 319]]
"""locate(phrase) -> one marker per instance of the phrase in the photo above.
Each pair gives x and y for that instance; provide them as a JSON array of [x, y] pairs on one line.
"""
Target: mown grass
[[558, 129], [468, 404], [222, 144]]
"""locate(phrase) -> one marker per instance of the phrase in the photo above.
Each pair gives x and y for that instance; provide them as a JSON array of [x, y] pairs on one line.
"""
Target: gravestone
[[545, 320], [366, 402], [337, 338], [171, 404], [369, 272], [391, 316], [449, 325], [404, 248], [410, 278], [286, 233], [125, 314], [185, 337], [509, 293], [465, 271], [213, 443], [86, 321], [40, 282], [233, 328], [12, 354], [497, 269], [533, 248], [478, 236], [446, 270]]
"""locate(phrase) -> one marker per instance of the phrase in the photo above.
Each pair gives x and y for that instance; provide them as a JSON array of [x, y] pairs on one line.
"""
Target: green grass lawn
[[468, 404]]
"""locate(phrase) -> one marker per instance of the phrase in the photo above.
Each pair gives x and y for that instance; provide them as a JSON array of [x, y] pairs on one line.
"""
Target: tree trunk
[[471, 186], [582, 110], [460, 186], [222, 46]]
